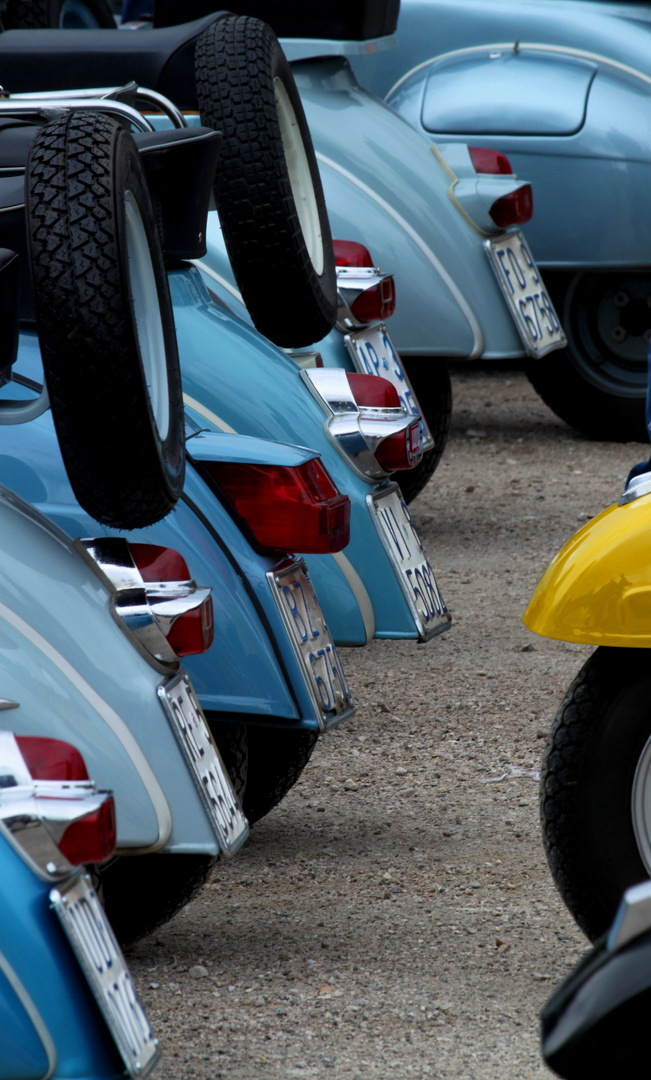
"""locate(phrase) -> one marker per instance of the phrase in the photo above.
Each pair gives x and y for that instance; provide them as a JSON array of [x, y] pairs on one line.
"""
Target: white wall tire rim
[[641, 805], [300, 177], [146, 313]]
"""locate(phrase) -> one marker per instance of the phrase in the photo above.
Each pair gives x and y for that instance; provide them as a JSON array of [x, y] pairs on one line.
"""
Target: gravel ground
[[395, 917]]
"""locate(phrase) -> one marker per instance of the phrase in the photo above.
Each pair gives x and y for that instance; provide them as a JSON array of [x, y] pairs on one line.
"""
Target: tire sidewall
[[597, 770]]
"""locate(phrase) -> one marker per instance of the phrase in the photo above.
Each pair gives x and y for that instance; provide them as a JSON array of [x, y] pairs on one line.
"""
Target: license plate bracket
[[373, 353], [405, 550], [100, 957], [524, 291], [204, 762], [312, 642]]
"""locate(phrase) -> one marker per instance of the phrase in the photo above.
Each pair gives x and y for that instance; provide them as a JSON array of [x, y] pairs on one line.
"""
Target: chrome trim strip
[[208, 415], [359, 591]]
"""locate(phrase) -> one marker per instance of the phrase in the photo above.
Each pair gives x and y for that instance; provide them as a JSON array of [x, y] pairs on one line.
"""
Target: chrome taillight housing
[[364, 296], [360, 430], [55, 822], [153, 597]]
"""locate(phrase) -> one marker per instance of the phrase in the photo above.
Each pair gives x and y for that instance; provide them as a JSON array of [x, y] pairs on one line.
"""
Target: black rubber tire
[[586, 785], [430, 380], [238, 61], [233, 744], [141, 892], [53, 15], [81, 169], [589, 384], [277, 757]]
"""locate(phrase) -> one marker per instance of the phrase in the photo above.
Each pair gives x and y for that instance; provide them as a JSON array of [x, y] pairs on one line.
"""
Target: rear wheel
[[267, 188], [277, 757], [141, 892], [430, 380], [598, 383], [105, 320], [263, 763]]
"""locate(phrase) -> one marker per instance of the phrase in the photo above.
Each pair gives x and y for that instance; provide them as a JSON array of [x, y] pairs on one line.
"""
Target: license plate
[[93, 942], [372, 353], [524, 289], [313, 645], [405, 549], [202, 756]]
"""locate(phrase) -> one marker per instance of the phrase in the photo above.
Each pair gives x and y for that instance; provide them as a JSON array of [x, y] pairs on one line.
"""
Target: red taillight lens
[[287, 508], [159, 563], [373, 391], [91, 838], [376, 303], [490, 161], [349, 253], [401, 451], [513, 209], [193, 632], [51, 759]]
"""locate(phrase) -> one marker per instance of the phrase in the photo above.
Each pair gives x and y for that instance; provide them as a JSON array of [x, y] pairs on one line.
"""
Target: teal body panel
[[34, 950], [221, 360]]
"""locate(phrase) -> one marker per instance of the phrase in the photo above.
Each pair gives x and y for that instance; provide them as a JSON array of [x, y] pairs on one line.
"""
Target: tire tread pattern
[[235, 60], [87, 339]]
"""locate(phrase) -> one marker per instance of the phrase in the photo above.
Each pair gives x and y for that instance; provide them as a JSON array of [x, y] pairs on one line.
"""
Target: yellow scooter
[[595, 793]]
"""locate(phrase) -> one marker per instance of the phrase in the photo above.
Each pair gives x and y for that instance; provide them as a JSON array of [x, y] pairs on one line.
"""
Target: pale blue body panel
[[385, 189], [577, 128], [77, 677]]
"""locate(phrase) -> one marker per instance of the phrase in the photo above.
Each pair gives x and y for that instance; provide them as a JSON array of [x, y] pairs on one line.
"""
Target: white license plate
[[372, 353], [189, 724], [92, 939], [301, 612], [522, 284], [405, 549]]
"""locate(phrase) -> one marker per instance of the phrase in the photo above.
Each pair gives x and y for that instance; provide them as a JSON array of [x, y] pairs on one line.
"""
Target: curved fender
[[598, 588], [384, 186]]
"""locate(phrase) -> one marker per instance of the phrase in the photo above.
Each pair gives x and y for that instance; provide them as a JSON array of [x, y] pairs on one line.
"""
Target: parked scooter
[[69, 1006], [596, 771], [595, 1026]]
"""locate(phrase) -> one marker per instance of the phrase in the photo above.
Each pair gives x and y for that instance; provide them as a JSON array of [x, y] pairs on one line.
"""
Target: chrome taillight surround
[[146, 609], [351, 282], [355, 430], [36, 813]]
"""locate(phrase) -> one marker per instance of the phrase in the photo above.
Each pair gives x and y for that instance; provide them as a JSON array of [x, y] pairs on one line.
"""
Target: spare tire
[[267, 189], [57, 15], [105, 320]]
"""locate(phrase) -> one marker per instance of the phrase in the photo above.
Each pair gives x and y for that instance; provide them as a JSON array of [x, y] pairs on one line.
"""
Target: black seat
[[354, 20], [162, 60]]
